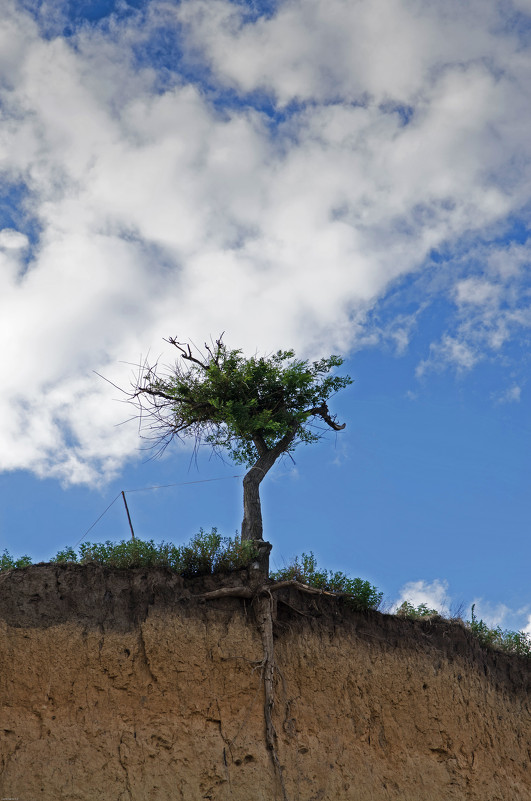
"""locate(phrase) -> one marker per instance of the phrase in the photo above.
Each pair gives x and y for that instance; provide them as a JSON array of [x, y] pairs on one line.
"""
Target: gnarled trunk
[[252, 528]]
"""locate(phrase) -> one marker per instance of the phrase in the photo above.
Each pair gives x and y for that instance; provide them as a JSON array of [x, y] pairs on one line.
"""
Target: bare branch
[[322, 411], [214, 355], [186, 352]]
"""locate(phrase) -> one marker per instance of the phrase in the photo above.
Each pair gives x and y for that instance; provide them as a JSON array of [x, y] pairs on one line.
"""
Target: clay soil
[[124, 685]]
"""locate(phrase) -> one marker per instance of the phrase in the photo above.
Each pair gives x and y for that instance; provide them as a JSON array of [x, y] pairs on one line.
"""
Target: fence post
[[128, 515]]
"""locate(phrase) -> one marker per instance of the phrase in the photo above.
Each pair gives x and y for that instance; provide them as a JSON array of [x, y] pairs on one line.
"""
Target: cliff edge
[[125, 685]]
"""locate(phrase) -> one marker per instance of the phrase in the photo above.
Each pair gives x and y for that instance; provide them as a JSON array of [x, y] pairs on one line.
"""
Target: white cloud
[[12, 240], [434, 594], [510, 395], [450, 351], [493, 615], [493, 306], [157, 212], [476, 291]]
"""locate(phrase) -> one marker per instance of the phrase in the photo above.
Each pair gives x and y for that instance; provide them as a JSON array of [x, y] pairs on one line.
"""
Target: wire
[[157, 486], [96, 521], [183, 483]]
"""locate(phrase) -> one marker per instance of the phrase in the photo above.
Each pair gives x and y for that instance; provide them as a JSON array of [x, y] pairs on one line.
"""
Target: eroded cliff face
[[121, 685]]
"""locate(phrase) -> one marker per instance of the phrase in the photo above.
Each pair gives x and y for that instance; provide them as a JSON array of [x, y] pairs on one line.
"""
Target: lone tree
[[256, 408]]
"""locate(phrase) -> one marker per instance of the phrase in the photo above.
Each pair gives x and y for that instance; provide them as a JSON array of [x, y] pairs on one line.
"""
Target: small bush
[[66, 555], [358, 593], [207, 552], [211, 553], [415, 612], [127, 553], [8, 563], [512, 642]]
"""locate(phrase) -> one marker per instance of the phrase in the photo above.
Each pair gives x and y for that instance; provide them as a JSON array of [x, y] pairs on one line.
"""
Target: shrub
[[211, 553], [415, 612], [207, 552], [358, 593], [512, 642], [8, 563], [66, 555], [127, 553]]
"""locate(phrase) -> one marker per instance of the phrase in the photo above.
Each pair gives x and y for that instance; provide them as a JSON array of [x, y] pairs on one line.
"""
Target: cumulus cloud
[[494, 615], [434, 594], [12, 240], [270, 176]]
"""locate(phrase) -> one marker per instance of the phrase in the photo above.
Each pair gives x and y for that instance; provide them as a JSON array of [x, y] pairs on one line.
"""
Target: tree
[[256, 408]]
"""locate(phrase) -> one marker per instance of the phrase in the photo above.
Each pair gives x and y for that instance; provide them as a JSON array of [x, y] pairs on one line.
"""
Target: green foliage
[[8, 563], [415, 612], [207, 552], [512, 642], [211, 553], [228, 400], [66, 555], [358, 593]]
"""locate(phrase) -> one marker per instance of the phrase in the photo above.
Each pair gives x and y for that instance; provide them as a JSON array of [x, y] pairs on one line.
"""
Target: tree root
[[264, 613], [262, 600], [247, 592]]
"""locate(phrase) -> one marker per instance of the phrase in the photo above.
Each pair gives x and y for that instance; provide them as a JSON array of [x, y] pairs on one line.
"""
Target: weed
[[512, 642], [66, 555], [207, 552], [416, 612], [356, 592], [8, 563]]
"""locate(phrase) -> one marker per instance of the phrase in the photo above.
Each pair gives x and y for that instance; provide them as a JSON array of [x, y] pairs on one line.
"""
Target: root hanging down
[[264, 612], [262, 600]]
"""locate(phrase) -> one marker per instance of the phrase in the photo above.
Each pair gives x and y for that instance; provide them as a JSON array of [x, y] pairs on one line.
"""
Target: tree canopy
[[255, 408]]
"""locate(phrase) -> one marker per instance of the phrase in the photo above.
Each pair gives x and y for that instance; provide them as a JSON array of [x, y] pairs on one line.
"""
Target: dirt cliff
[[122, 685]]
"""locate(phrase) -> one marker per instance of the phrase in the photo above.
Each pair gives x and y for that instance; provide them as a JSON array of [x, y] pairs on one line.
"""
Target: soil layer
[[124, 685]]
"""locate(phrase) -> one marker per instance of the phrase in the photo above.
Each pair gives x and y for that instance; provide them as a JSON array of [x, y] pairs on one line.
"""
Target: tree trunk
[[252, 528]]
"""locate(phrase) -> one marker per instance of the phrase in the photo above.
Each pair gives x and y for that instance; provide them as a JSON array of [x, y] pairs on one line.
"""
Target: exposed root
[[247, 592], [262, 600], [264, 614]]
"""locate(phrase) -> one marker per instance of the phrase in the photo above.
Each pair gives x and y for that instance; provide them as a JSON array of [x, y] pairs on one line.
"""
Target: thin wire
[[158, 486], [96, 521], [183, 483]]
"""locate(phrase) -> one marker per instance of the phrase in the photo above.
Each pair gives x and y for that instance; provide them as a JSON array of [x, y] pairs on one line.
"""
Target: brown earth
[[120, 685]]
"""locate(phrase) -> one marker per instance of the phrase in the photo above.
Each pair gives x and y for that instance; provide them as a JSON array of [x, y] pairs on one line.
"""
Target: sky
[[332, 176]]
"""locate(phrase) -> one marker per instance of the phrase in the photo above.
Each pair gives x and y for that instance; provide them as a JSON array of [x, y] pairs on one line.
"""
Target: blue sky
[[336, 178]]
